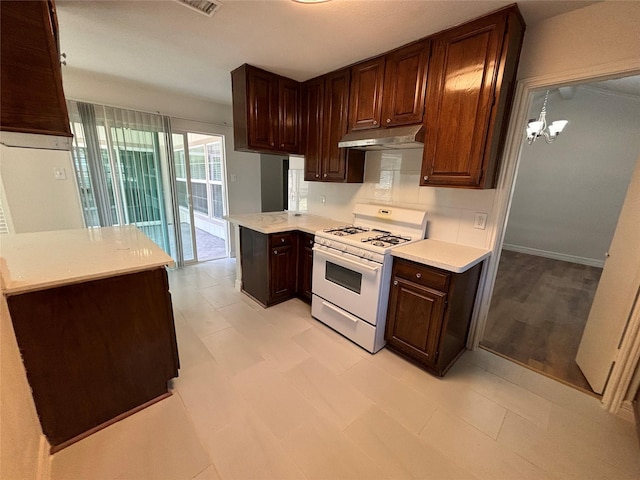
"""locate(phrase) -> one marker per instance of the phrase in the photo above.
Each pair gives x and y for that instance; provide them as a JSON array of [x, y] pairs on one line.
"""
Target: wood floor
[[538, 312]]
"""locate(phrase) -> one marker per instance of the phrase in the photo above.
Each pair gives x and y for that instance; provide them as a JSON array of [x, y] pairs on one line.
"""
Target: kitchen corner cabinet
[[95, 350], [266, 111], [32, 99], [269, 265], [305, 265], [388, 91], [429, 313], [325, 107], [472, 73]]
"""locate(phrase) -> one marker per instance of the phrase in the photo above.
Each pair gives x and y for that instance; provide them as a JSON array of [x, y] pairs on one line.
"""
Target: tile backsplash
[[392, 177]]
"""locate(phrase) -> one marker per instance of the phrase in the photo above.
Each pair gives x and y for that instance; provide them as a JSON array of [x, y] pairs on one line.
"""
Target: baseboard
[[626, 411], [238, 285], [44, 459], [592, 262]]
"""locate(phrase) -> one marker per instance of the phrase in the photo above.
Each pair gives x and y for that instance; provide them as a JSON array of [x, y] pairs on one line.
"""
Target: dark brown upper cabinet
[[266, 111], [365, 103], [471, 79], [389, 90], [405, 84], [32, 99], [325, 107]]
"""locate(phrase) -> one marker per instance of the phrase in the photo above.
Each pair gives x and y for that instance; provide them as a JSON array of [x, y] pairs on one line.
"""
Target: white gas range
[[352, 269]]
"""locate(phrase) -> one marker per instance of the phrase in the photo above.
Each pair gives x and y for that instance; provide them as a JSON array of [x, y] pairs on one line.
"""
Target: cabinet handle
[[418, 275], [282, 240], [325, 175], [375, 122], [317, 175], [388, 120], [425, 178], [272, 144], [395, 282], [275, 252], [282, 145]]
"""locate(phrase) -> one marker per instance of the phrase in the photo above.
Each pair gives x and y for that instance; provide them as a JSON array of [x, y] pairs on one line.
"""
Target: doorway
[[565, 205], [200, 196]]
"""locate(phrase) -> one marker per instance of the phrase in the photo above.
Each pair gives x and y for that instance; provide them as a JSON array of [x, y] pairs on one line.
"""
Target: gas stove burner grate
[[346, 230], [387, 239]]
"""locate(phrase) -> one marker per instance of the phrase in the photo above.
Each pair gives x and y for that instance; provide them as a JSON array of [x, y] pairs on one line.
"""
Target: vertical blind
[[121, 162]]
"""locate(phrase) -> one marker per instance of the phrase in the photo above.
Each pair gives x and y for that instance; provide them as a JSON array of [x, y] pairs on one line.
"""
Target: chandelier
[[538, 128]]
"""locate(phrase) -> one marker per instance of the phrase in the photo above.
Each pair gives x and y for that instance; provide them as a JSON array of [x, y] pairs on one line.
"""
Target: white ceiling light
[[538, 128], [205, 7]]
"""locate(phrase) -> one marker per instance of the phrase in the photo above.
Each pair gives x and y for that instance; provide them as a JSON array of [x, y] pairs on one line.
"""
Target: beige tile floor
[[274, 394]]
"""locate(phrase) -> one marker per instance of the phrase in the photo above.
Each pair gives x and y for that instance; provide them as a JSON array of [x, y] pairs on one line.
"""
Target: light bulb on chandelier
[[538, 128]]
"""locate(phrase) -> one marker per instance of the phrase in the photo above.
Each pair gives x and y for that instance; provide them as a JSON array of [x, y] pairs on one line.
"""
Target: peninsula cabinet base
[[95, 351]]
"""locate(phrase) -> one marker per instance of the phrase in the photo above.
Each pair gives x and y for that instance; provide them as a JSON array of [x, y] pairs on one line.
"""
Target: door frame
[[629, 357]]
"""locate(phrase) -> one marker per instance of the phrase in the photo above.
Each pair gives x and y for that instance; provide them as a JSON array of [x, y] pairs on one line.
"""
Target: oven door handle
[[344, 259], [346, 315]]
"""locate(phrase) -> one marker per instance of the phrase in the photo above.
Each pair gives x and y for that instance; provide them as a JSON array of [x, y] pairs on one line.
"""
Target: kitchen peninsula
[[275, 252], [92, 315]]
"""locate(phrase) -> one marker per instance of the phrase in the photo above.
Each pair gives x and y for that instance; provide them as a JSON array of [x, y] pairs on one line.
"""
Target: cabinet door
[[313, 98], [32, 99], [262, 109], [305, 265], [365, 103], [460, 96], [336, 98], [414, 323], [405, 85], [282, 272], [254, 256], [289, 114]]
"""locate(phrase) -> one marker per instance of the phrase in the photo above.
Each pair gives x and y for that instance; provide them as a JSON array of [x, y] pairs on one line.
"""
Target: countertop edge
[[20, 289], [468, 260]]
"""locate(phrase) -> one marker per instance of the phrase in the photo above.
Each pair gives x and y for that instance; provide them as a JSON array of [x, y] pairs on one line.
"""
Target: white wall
[[20, 431], [568, 195], [36, 200]]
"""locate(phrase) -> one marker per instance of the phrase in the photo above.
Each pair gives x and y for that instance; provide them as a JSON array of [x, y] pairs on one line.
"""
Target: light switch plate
[[480, 221], [59, 173]]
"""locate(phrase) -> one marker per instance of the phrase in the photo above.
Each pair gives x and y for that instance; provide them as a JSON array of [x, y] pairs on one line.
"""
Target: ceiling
[[165, 44]]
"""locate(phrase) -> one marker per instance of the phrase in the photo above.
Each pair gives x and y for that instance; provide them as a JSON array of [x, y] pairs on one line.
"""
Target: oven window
[[343, 276]]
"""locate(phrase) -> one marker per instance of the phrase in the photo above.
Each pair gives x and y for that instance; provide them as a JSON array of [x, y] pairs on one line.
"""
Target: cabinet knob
[[395, 282], [425, 178], [310, 242], [325, 175], [418, 275], [375, 122], [272, 144], [275, 252], [317, 175], [282, 145], [388, 120], [282, 240]]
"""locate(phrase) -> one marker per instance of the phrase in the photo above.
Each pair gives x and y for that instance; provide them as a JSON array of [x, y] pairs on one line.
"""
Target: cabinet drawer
[[421, 274], [281, 239]]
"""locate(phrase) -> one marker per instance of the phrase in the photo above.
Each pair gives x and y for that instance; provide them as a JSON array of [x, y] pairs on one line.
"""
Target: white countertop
[[276, 222], [447, 256], [35, 261]]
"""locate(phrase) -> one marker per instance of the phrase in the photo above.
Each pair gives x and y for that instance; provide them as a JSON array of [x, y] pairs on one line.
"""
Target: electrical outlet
[[59, 173], [480, 221], [234, 178]]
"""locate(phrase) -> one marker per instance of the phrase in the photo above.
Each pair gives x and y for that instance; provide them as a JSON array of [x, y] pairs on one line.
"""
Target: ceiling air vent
[[205, 7]]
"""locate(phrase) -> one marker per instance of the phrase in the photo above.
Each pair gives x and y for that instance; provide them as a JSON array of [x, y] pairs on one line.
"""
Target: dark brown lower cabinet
[[430, 313], [269, 265], [305, 265], [95, 350]]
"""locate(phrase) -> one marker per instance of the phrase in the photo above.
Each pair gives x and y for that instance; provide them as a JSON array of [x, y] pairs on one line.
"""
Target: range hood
[[409, 136]]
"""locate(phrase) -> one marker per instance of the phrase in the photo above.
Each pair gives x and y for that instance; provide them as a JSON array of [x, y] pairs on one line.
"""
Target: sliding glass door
[[201, 195]]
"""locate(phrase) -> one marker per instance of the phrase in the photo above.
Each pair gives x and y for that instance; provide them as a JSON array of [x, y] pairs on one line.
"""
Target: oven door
[[349, 282]]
